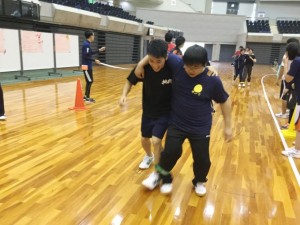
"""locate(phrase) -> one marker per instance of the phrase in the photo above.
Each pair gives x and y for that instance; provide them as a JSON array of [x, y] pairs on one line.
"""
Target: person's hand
[[228, 134], [139, 71], [212, 71], [97, 61], [102, 49], [123, 100]]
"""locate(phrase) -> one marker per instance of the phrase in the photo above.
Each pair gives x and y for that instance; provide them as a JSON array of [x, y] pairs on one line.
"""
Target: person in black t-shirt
[[157, 82], [250, 60], [179, 42], [239, 64]]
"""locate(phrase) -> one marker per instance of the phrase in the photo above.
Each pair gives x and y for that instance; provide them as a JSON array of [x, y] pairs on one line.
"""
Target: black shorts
[[285, 96], [154, 126]]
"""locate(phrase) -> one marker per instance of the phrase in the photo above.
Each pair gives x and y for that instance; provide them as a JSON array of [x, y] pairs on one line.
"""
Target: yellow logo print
[[197, 89]]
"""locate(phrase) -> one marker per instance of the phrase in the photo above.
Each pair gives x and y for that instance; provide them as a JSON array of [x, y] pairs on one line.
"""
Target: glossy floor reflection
[[60, 166]]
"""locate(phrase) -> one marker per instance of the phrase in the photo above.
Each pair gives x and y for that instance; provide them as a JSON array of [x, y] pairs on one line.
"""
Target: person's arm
[[139, 70], [87, 54], [226, 112], [294, 71], [126, 90]]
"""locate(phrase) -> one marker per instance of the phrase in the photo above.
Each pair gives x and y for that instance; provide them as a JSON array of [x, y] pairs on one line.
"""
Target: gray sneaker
[[145, 164], [291, 152]]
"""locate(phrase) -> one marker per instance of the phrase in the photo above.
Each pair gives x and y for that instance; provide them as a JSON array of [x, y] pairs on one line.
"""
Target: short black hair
[[195, 55], [179, 41], [158, 48], [293, 50], [168, 36], [292, 40], [88, 33]]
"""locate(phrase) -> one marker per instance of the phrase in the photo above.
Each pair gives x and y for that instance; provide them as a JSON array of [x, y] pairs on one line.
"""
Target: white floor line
[[291, 160]]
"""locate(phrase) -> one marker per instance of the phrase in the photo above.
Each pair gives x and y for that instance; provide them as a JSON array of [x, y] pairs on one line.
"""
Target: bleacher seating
[[258, 26], [288, 26], [97, 7]]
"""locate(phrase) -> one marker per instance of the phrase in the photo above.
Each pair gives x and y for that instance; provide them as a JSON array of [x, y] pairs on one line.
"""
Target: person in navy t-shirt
[[293, 53], [87, 63], [191, 117]]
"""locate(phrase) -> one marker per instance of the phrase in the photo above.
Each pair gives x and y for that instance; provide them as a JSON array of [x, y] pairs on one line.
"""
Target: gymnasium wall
[[274, 10], [207, 28]]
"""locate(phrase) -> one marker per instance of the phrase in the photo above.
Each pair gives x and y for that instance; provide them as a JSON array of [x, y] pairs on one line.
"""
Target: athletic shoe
[[145, 164], [91, 100], [292, 152], [200, 189], [152, 181], [284, 127], [166, 188], [243, 85], [282, 116], [240, 84], [3, 117], [85, 98]]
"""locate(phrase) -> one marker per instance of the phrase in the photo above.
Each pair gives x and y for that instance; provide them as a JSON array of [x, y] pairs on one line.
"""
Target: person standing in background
[[87, 63], [250, 60], [179, 42], [239, 64], [168, 39], [293, 75], [284, 68], [2, 111]]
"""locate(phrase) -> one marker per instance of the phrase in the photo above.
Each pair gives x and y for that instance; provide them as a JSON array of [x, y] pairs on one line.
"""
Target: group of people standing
[[243, 62], [289, 77]]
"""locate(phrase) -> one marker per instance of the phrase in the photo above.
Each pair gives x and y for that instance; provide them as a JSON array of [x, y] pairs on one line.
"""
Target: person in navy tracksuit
[[87, 63]]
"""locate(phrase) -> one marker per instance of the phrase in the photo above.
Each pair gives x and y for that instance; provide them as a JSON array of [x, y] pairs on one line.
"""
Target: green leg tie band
[[161, 170]]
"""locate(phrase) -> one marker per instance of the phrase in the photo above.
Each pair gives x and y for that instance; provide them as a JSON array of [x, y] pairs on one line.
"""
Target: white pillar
[[215, 55]]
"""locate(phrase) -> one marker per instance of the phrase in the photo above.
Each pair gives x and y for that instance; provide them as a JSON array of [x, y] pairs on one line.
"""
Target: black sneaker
[[85, 98]]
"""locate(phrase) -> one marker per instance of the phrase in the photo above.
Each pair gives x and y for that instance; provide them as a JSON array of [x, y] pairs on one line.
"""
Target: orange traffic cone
[[79, 104]]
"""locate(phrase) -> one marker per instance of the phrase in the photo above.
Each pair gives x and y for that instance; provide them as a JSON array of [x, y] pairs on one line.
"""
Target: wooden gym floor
[[65, 167]]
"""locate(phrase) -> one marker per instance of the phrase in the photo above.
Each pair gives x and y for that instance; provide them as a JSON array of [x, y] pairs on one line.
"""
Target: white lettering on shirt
[[166, 81]]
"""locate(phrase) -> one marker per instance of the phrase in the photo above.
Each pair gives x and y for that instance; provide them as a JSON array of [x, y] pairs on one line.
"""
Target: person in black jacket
[[2, 111], [87, 63], [250, 60]]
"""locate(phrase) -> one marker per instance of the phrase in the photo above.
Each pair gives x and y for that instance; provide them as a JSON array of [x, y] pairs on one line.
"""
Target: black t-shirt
[[248, 60], [157, 91]]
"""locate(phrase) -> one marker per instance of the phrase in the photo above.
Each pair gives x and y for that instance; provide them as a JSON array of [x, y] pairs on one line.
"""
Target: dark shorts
[[154, 126], [285, 96]]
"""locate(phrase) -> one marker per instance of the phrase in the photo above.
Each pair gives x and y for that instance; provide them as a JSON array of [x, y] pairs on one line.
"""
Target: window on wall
[[12, 8], [232, 8]]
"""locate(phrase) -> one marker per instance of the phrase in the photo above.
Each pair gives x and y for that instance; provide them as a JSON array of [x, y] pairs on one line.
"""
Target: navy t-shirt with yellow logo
[[191, 98]]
